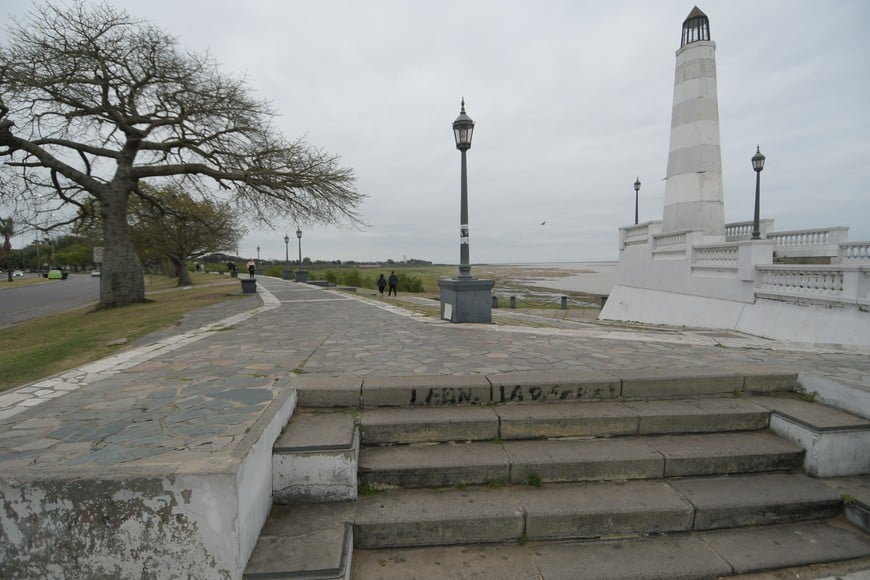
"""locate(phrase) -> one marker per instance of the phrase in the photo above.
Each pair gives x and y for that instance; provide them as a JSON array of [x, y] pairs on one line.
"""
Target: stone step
[[315, 458], [423, 517], [679, 556], [316, 390], [606, 419], [645, 457]]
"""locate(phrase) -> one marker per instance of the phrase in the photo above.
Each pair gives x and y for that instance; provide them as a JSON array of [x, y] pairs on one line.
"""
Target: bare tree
[[179, 228], [92, 102]]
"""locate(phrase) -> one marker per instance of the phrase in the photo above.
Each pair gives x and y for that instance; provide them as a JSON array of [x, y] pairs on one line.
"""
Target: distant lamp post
[[287, 271], [636, 190], [301, 275], [464, 298], [258, 253], [757, 166], [463, 128]]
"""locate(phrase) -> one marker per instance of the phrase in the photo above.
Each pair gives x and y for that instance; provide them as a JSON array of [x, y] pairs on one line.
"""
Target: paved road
[[27, 302]]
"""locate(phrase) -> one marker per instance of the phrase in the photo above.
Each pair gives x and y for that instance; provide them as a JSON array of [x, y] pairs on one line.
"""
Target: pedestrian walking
[[394, 281], [382, 283], [252, 267]]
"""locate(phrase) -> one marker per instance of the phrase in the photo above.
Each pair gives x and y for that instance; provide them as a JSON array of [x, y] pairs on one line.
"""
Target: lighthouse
[[693, 190]]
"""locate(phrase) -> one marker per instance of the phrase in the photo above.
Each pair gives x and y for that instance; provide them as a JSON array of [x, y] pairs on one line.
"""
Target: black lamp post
[[287, 251], [463, 127], [757, 166], [299, 237], [258, 253], [636, 190]]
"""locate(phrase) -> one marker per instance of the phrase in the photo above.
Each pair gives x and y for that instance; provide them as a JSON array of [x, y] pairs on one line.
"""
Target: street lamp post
[[463, 127], [287, 256], [258, 253], [636, 190], [465, 298], [757, 166], [299, 237]]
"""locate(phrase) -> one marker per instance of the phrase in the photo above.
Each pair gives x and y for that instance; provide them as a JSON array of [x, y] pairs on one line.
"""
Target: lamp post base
[[301, 275], [466, 300]]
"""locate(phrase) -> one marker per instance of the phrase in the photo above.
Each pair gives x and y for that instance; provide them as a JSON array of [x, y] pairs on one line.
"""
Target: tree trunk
[[181, 271], [122, 281]]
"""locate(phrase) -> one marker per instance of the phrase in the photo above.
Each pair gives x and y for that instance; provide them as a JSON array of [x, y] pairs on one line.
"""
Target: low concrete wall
[[786, 321], [200, 520]]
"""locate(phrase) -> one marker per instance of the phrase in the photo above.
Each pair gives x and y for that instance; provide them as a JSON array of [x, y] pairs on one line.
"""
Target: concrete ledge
[[427, 424], [553, 386], [755, 500], [315, 459], [328, 391], [678, 383], [383, 391], [105, 522], [577, 460], [836, 442], [544, 421], [427, 517], [724, 453], [595, 510], [433, 466]]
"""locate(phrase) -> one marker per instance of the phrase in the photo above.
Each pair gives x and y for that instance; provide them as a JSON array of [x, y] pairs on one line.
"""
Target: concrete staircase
[[669, 474]]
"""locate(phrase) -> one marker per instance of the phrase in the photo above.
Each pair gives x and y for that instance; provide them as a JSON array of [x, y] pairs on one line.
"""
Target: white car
[[95, 273], [18, 274]]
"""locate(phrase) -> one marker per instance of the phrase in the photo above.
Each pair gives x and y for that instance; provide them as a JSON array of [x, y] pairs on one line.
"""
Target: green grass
[[41, 348]]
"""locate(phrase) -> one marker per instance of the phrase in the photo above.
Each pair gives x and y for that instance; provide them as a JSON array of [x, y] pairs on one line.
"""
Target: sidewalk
[[193, 407]]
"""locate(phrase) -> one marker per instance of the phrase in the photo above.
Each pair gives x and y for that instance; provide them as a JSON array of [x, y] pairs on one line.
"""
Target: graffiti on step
[[445, 396], [552, 393]]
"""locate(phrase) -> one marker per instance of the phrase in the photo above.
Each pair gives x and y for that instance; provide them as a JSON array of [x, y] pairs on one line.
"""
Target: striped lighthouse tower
[[693, 192]]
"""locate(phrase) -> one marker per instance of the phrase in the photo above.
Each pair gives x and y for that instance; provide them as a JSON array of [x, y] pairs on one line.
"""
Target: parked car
[[95, 273], [18, 274]]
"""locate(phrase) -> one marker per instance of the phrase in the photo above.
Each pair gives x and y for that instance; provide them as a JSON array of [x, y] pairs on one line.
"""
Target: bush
[[410, 283]]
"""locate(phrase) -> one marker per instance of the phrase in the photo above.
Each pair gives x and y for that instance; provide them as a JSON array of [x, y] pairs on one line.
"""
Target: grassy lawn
[[44, 347]]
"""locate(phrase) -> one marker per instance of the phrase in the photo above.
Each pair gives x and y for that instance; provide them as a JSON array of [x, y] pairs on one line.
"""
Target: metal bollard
[[513, 301], [494, 301], [564, 303]]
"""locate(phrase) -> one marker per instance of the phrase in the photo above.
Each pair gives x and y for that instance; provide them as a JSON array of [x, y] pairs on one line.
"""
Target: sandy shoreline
[[587, 277]]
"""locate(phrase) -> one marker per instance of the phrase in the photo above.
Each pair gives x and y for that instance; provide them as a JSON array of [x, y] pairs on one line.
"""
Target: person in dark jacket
[[382, 283], [394, 281]]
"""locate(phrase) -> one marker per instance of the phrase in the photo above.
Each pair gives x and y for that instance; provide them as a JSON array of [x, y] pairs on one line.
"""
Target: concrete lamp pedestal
[[466, 300], [249, 285], [301, 276]]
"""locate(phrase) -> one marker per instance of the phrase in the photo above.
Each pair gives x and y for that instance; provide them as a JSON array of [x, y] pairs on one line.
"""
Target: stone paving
[[186, 398]]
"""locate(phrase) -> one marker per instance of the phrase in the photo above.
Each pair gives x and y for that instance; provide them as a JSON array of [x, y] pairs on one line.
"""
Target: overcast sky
[[571, 100]]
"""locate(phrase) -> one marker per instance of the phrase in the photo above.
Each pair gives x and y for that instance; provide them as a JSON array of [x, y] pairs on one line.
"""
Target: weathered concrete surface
[[678, 383], [836, 442], [663, 558], [553, 386], [579, 460], [698, 416], [386, 391], [434, 465], [541, 421], [593, 510], [762, 499], [722, 453], [328, 391], [425, 424], [315, 459], [306, 540], [468, 562], [436, 517], [771, 547]]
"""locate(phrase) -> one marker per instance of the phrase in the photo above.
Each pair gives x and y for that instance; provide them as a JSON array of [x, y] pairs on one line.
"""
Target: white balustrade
[[854, 253], [843, 284], [722, 255], [820, 242]]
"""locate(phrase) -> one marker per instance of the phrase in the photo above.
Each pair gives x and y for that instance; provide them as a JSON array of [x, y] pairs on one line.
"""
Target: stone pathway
[[190, 397]]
